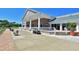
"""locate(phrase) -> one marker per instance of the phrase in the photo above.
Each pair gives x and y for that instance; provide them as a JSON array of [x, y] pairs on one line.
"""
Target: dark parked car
[[36, 31]]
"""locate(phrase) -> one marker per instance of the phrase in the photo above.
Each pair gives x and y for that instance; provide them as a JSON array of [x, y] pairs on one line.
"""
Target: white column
[[54, 30], [24, 24], [77, 27], [38, 23], [60, 27], [50, 26], [22, 27], [30, 24]]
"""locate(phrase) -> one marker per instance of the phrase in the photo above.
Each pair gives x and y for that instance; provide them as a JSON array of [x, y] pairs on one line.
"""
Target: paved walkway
[[33, 42], [6, 43], [71, 38], [65, 37]]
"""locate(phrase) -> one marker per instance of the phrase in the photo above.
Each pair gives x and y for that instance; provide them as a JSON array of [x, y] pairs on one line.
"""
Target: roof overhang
[[67, 18], [33, 15]]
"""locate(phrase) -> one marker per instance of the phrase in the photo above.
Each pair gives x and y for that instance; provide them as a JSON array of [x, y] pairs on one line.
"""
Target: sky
[[12, 14], [16, 14]]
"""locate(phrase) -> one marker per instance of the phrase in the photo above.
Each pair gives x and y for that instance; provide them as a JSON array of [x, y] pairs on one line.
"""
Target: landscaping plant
[[71, 26]]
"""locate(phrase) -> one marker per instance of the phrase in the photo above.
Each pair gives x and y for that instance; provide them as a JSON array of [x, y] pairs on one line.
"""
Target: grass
[[2, 29], [14, 27], [44, 43]]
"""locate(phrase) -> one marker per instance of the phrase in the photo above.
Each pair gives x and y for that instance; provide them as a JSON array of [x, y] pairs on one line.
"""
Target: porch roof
[[67, 18], [33, 15]]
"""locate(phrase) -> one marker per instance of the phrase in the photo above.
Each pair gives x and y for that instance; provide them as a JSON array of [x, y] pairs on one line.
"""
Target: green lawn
[[2, 30], [14, 27]]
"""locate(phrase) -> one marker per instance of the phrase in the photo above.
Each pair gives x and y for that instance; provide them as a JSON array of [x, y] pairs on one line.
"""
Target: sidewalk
[[64, 37], [6, 43]]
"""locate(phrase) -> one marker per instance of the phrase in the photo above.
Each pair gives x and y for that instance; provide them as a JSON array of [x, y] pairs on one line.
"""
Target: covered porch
[[60, 24], [40, 24], [36, 20]]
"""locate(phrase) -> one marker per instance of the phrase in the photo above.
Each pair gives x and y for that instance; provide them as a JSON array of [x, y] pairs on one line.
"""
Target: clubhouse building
[[37, 20]]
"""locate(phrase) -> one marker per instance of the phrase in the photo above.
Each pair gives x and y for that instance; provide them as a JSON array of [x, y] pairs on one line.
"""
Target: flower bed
[[77, 33]]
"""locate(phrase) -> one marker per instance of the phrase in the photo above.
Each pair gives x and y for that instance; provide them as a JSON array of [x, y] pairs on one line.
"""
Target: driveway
[[33, 42]]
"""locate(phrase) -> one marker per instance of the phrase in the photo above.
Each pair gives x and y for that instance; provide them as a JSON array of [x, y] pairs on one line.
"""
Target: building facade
[[34, 19]]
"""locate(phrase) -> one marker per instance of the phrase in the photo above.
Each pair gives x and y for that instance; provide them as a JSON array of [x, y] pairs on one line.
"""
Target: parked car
[[36, 31]]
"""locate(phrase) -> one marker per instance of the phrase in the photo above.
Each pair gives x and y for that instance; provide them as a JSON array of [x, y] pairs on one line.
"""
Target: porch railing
[[42, 28]]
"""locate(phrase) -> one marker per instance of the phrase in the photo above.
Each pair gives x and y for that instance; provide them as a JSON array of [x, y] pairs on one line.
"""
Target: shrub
[[71, 26]]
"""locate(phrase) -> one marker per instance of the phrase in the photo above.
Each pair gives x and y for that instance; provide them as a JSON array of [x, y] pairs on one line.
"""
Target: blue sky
[[16, 14], [57, 11], [12, 14]]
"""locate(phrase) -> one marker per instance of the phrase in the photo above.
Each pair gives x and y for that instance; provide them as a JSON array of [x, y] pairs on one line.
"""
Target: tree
[[7, 24]]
